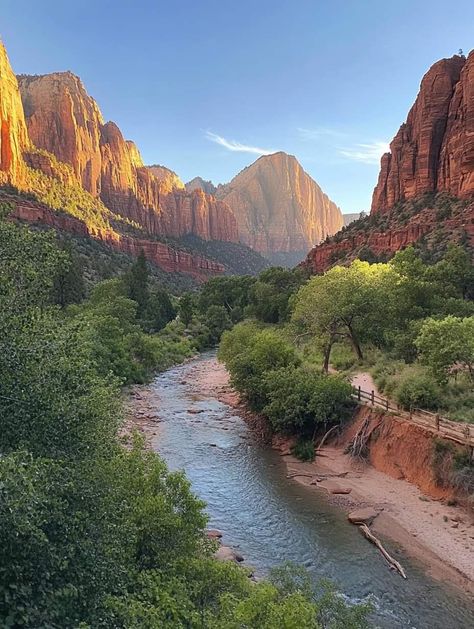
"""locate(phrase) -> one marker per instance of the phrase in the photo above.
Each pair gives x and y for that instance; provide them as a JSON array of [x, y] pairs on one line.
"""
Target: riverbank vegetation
[[94, 530], [409, 323]]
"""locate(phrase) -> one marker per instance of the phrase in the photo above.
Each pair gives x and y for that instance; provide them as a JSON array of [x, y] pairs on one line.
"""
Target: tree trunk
[[327, 355], [354, 342]]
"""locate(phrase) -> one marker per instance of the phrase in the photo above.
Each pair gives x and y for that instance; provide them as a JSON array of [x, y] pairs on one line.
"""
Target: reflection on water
[[272, 519]]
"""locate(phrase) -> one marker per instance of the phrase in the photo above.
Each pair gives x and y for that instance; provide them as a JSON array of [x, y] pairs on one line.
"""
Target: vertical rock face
[[13, 132], [278, 207], [64, 120], [433, 150]]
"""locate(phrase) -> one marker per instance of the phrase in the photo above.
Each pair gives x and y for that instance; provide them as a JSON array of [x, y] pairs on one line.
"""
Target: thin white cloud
[[367, 153], [319, 132], [232, 145]]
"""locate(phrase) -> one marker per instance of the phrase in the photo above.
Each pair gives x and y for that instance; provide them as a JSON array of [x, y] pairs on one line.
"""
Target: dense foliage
[[95, 534], [409, 322]]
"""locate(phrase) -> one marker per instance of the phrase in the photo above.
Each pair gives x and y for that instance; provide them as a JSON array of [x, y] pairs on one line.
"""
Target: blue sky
[[202, 86]]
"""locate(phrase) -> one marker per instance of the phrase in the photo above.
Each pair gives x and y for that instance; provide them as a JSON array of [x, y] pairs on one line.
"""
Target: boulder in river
[[213, 534], [225, 553]]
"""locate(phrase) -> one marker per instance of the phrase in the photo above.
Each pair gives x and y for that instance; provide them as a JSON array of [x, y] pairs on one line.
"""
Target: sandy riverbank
[[439, 536]]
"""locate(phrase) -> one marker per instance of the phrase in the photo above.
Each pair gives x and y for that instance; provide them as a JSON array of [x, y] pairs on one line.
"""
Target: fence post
[[386, 404], [437, 421], [373, 397], [358, 393]]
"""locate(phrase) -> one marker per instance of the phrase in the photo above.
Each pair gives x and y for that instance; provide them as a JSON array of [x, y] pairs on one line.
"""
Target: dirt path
[[365, 381]]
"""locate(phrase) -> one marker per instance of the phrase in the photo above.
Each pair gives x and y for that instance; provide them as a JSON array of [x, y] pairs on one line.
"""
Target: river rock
[[335, 488], [213, 534], [225, 553], [362, 516]]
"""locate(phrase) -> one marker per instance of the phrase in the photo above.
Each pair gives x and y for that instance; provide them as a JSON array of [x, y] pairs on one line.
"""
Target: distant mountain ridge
[[279, 208]]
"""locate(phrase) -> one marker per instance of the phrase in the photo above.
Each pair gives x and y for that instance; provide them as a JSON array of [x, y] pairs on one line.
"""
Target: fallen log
[[317, 476], [393, 563]]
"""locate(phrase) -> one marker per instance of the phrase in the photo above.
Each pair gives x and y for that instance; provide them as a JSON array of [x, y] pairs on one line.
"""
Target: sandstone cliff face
[[168, 178], [64, 120], [278, 207], [13, 132], [434, 149]]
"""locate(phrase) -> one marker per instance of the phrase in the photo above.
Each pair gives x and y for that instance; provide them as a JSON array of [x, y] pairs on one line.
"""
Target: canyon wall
[[64, 120], [279, 207], [433, 150]]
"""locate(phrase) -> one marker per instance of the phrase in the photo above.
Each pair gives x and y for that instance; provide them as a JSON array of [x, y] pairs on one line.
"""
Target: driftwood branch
[[323, 440], [393, 563]]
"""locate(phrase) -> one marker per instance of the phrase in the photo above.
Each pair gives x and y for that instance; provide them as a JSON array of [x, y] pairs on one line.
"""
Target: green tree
[[217, 321], [231, 292], [186, 308], [446, 344], [159, 311], [344, 303], [301, 400], [136, 282], [69, 287], [270, 295], [268, 351]]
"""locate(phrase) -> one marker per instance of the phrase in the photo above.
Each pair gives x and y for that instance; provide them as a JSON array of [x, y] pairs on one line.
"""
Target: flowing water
[[271, 519]]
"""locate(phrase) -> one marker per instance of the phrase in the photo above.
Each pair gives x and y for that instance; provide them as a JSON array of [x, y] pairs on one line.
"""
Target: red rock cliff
[[164, 256], [433, 150], [279, 207], [64, 120], [13, 133]]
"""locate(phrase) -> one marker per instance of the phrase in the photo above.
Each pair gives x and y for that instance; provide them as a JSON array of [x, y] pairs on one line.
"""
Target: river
[[271, 519]]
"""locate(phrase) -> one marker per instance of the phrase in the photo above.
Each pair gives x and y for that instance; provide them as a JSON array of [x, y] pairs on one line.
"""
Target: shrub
[[418, 390], [304, 450], [237, 341], [267, 351], [301, 399], [342, 357]]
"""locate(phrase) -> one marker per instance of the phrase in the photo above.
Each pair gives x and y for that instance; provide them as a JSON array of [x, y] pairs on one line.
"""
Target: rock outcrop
[[381, 244], [433, 150], [166, 257], [64, 120], [279, 207], [13, 132], [198, 183]]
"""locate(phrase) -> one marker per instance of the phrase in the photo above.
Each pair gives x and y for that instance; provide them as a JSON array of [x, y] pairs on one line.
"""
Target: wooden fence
[[456, 431]]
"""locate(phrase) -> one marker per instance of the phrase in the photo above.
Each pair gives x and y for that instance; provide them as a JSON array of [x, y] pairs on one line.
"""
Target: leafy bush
[[237, 341], [300, 400], [265, 351], [418, 390]]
